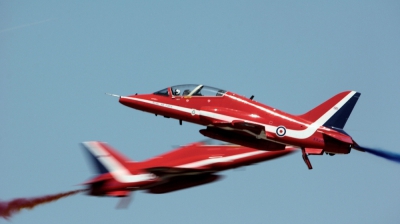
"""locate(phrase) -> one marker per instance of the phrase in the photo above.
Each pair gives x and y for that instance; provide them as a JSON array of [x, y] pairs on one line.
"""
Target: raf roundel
[[281, 131]]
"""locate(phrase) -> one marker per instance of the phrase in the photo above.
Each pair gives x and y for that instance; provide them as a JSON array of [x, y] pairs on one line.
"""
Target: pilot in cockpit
[[186, 92], [176, 92]]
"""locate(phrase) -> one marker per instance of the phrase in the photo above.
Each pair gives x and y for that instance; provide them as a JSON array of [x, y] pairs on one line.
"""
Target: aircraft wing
[[163, 171], [238, 125], [241, 132], [248, 128]]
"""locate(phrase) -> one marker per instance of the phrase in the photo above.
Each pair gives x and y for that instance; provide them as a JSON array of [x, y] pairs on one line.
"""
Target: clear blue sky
[[58, 59]]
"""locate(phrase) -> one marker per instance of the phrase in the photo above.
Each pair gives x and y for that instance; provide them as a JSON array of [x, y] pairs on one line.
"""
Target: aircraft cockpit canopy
[[163, 92], [192, 90], [196, 90]]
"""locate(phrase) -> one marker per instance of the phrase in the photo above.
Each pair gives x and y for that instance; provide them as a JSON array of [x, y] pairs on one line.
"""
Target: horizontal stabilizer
[[342, 138]]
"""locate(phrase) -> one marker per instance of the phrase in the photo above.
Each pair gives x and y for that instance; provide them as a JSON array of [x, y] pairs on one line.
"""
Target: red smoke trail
[[8, 208]]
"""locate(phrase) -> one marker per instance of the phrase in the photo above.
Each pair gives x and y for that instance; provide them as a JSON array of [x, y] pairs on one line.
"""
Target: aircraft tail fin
[[334, 112], [104, 158]]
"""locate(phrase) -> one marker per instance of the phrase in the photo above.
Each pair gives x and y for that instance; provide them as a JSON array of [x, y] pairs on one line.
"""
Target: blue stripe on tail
[[339, 119]]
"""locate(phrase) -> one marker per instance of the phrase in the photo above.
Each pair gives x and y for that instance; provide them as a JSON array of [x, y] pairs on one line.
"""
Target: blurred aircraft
[[239, 120], [188, 166]]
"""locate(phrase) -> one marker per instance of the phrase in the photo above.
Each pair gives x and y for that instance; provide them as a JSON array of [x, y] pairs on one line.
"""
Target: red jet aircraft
[[185, 167], [239, 120]]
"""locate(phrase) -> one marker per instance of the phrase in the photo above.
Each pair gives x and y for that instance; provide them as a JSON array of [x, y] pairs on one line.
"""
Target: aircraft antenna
[[115, 95]]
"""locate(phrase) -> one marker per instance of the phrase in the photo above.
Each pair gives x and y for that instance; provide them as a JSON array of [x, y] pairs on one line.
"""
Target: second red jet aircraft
[[188, 166]]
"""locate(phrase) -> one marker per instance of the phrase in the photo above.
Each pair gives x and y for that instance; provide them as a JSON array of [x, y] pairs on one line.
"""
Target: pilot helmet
[[177, 92]]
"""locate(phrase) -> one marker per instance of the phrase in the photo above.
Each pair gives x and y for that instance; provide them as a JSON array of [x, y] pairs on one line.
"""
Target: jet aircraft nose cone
[[124, 100], [135, 102]]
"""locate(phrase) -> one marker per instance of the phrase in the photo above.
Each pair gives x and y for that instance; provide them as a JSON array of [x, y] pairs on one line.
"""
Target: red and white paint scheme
[[188, 166], [239, 120]]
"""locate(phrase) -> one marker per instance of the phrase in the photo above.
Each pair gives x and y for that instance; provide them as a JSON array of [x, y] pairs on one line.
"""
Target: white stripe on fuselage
[[299, 134], [210, 161], [121, 174]]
